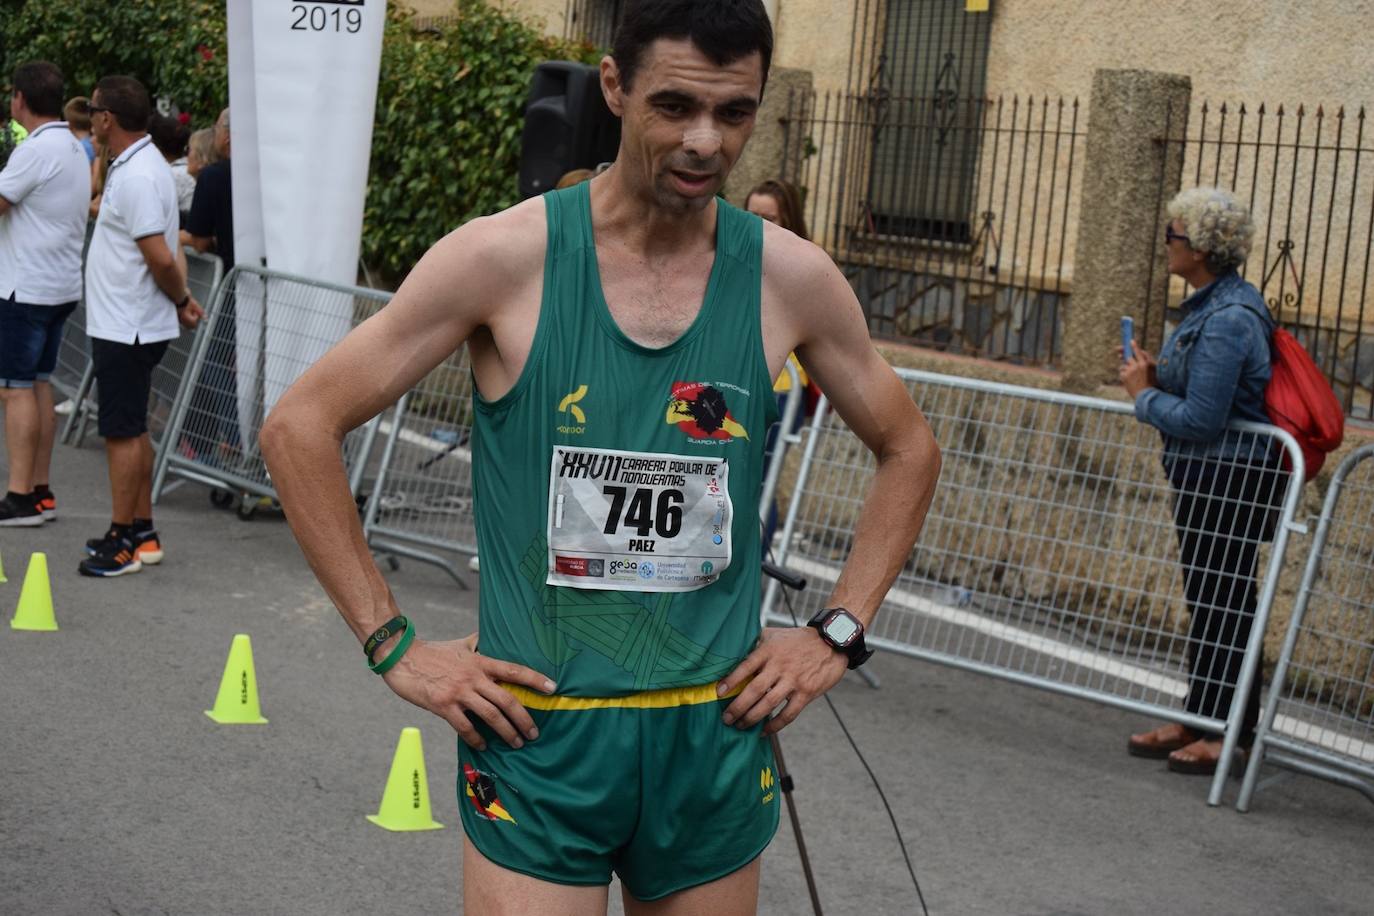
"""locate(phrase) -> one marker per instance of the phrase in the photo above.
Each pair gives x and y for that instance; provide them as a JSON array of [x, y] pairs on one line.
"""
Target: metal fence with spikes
[[1308, 179], [954, 218]]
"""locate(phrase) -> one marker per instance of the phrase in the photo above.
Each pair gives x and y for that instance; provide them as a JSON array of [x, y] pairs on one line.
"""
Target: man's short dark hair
[[127, 100], [41, 84], [170, 136], [724, 30]]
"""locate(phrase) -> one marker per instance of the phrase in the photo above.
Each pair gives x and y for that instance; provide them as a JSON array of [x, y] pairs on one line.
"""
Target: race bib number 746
[[637, 521]]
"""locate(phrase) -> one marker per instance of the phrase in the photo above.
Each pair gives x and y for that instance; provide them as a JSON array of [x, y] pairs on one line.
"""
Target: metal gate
[[1049, 556], [1319, 718], [266, 327]]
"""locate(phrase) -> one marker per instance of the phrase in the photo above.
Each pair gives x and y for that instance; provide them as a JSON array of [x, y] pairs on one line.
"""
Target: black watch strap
[[185, 301], [857, 651]]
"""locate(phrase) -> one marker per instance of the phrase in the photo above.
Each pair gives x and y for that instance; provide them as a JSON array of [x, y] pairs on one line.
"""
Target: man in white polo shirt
[[135, 296], [45, 191]]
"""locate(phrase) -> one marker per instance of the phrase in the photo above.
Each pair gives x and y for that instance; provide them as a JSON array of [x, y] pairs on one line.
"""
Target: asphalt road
[[117, 795]]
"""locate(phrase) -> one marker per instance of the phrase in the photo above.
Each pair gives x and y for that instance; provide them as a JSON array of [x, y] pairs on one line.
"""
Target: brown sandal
[[1160, 742]]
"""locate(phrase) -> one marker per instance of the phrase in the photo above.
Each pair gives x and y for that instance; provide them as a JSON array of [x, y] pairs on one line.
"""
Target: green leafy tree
[[450, 108], [177, 50]]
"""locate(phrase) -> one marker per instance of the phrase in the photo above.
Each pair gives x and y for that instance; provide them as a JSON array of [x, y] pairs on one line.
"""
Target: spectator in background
[[576, 176], [44, 191], [210, 225], [201, 151], [171, 138], [1227, 485], [135, 296], [779, 202], [77, 111], [212, 423]]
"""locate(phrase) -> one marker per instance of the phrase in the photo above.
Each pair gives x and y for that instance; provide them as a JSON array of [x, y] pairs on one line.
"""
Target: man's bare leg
[[127, 474], [490, 890], [143, 506], [737, 894], [47, 433], [21, 436]]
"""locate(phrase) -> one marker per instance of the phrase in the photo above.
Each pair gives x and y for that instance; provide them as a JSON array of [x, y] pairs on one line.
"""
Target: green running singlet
[[639, 442]]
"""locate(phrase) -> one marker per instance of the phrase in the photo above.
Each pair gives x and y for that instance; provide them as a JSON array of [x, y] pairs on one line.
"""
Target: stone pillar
[[762, 158], [1118, 268]]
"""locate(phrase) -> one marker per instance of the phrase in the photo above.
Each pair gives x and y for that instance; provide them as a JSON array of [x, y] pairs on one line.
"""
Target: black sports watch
[[844, 632]]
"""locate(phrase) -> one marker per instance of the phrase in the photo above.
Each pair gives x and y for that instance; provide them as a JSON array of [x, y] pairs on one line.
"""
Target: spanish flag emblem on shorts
[[481, 790]]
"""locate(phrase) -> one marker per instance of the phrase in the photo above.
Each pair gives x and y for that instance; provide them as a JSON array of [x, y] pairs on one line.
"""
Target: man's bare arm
[[452, 291], [832, 341]]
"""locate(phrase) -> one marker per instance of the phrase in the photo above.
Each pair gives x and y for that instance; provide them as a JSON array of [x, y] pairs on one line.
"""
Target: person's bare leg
[[143, 507], [21, 436], [126, 471], [47, 433], [737, 894], [490, 890]]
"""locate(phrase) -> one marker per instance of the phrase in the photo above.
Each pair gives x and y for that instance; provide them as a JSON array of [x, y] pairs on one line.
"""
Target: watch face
[[841, 628]]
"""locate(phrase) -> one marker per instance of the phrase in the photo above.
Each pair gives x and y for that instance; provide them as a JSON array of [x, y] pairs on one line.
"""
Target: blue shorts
[[29, 338]]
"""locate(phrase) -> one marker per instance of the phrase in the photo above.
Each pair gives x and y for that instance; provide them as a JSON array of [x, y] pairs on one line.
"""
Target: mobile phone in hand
[[1127, 337]]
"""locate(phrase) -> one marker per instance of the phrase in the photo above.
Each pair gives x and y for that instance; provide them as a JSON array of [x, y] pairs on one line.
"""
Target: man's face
[[684, 121]]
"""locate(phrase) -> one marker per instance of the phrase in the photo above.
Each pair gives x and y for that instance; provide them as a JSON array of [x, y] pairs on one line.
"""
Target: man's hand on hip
[[790, 664], [451, 680]]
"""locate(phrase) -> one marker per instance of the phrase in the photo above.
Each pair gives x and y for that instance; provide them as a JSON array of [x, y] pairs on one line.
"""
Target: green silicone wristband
[[402, 644]]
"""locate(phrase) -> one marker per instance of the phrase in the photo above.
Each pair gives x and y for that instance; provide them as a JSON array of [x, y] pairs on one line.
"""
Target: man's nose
[[701, 142]]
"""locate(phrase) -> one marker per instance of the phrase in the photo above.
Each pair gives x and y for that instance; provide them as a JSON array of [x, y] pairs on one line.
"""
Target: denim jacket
[[1212, 369]]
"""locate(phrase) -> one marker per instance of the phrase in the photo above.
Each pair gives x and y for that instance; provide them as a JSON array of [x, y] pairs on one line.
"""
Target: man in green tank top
[[624, 335]]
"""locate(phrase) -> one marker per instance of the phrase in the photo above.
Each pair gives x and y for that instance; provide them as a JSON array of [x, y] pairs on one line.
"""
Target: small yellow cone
[[2, 570], [35, 598], [237, 702], [405, 803]]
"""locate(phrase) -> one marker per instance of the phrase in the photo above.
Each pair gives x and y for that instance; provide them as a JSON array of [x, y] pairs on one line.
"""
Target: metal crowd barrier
[[1050, 555], [1319, 718], [421, 505], [75, 377], [265, 329]]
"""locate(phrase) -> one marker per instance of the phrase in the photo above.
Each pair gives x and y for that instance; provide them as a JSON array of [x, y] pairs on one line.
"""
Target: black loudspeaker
[[567, 126]]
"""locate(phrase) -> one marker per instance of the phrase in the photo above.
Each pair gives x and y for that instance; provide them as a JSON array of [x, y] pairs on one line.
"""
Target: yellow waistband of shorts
[[649, 699]]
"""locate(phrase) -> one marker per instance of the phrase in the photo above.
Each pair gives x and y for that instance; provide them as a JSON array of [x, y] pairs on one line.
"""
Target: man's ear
[[611, 87]]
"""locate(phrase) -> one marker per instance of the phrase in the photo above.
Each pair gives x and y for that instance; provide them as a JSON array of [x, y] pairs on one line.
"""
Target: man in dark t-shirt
[[212, 428], [210, 223]]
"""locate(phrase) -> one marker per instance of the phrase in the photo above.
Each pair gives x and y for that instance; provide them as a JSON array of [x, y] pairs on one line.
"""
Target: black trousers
[[1222, 514]]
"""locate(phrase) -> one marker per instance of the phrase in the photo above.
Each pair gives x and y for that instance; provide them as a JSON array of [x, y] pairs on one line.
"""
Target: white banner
[[306, 79]]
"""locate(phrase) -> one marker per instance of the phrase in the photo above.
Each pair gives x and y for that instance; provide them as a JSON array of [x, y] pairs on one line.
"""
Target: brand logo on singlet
[[700, 411], [569, 406]]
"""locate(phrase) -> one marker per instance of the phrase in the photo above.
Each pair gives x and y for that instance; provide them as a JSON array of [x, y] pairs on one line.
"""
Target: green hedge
[[176, 49], [446, 141]]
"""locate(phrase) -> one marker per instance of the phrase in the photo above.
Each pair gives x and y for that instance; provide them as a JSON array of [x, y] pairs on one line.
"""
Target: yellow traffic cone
[[2, 571], [237, 702], [405, 803], [35, 598]]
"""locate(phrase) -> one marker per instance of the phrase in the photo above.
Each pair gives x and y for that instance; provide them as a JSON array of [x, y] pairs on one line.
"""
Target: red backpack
[[1300, 401]]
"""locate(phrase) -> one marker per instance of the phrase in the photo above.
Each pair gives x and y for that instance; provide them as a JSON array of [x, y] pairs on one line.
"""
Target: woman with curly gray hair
[[1226, 484]]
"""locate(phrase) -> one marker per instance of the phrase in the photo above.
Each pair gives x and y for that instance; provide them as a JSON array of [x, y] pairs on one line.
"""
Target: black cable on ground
[[901, 842]]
